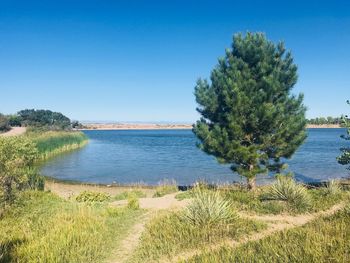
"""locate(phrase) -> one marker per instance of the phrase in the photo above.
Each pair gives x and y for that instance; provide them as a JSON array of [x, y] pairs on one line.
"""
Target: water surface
[[150, 156]]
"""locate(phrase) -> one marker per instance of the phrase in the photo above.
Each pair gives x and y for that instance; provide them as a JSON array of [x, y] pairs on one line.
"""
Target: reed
[[52, 143]]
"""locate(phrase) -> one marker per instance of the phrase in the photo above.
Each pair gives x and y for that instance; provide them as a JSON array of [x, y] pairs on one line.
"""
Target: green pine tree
[[250, 119], [344, 158]]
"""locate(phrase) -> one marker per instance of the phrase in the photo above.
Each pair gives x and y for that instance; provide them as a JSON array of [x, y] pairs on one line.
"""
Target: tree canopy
[[4, 123], [250, 119], [44, 118]]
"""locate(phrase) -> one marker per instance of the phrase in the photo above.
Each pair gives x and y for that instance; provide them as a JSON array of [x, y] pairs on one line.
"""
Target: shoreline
[[131, 126]]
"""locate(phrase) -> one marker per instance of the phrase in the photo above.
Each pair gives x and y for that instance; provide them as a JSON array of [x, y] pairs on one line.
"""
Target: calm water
[[150, 156]]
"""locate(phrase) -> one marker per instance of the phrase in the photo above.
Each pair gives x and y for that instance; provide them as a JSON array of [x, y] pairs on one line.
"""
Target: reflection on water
[[152, 155]]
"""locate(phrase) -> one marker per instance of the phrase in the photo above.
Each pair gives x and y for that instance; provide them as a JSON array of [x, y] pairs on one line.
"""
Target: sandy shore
[[14, 131], [67, 190], [132, 126], [313, 126]]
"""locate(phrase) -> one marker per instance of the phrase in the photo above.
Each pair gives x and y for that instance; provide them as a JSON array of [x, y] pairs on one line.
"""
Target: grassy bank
[[323, 240], [52, 143], [41, 227]]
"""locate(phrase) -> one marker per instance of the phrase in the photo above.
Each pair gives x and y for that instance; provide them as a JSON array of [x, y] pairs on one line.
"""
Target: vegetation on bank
[[41, 227], [284, 196], [166, 187], [322, 240], [51, 143], [17, 170]]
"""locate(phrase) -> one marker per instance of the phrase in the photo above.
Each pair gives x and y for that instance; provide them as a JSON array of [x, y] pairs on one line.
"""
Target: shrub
[[208, 209], [332, 188], [286, 189], [133, 203], [17, 156], [166, 187], [91, 197]]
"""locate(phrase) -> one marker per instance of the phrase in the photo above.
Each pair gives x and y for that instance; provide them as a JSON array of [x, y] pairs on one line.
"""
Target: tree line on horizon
[[326, 121], [37, 119]]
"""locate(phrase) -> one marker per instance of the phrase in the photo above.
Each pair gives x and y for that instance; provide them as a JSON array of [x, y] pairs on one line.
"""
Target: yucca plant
[[286, 189], [333, 187], [208, 209]]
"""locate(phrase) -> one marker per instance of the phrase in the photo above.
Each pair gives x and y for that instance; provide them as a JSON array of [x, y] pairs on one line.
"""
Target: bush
[[92, 197], [133, 203], [166, 187], [17, 156], [286, 189], [4, 123], [208, 209]]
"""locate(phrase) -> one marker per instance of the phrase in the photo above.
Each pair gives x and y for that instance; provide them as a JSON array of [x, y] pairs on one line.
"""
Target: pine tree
[[250, 119], [344, 158]]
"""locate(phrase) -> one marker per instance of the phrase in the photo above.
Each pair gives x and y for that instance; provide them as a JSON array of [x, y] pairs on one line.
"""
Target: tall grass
[[52, 143], [41, 227], [166, 187], [208, 219], [323, 240]]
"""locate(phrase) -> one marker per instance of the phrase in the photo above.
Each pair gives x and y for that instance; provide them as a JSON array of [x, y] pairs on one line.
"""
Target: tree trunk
[[251, 183]]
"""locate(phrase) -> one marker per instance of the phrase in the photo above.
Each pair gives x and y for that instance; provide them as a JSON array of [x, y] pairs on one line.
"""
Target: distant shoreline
[[131, 126], [150, 126], [326, 126]]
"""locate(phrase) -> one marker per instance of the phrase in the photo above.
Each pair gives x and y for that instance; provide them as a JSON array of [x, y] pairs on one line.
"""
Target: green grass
[[323, 240], [127, 194], [169, 233], [41, 227], [250, 201], [166, 187], [92, 197], [52, 143], [184, 195]]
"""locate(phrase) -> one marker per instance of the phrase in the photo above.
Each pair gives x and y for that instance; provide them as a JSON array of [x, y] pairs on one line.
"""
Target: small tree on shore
[[344, 158], [250, 119]]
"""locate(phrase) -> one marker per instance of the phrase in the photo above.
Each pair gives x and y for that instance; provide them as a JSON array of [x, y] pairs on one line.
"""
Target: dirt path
[[276, 223], [14, 131], [129, 244], [153, 205]]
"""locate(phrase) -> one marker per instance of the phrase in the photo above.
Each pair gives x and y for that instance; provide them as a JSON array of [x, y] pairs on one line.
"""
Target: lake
[[150, 156]]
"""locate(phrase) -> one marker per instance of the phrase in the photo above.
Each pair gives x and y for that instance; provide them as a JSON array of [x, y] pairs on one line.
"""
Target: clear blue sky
[[139, 60]]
